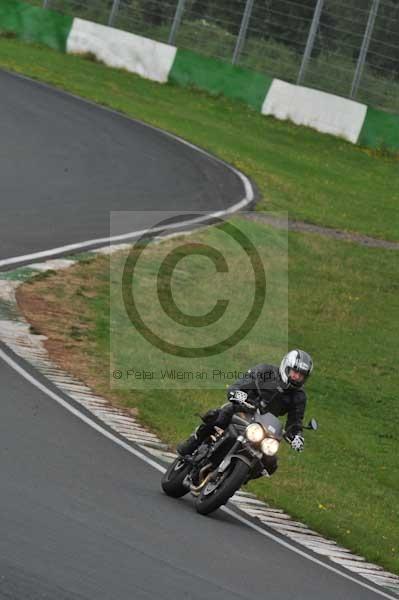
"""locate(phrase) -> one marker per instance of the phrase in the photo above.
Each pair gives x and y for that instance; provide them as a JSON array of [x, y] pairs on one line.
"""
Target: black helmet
[[298, 361]]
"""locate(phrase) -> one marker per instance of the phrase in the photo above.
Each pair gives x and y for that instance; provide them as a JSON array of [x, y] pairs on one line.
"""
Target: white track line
[[305, 555], [32, 380], [125, 236], [21, 371]]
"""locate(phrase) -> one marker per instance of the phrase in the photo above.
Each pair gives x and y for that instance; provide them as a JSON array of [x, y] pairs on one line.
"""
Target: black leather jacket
[[267, 391]]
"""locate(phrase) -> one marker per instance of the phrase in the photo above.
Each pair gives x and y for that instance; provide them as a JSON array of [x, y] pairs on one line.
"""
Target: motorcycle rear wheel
[[216, 493], [172, 480]]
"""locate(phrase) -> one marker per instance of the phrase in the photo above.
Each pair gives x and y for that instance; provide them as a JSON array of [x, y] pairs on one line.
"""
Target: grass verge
[[317, 178], [345, 485]]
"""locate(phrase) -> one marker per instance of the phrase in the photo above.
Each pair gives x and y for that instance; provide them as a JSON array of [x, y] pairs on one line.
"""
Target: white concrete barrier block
[[325, 112], [123, 50]]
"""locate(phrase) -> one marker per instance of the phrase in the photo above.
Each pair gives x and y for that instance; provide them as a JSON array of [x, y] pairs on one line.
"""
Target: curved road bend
[[81, 518], [65, 164]]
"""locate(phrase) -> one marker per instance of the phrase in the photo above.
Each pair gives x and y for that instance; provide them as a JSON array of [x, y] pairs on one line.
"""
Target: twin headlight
[[256, 434]]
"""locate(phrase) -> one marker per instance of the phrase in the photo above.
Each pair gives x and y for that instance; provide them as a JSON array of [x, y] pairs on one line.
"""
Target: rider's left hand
[[298, 443]]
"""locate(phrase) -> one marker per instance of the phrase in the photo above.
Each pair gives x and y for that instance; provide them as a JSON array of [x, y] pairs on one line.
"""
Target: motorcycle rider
[[278, 390]]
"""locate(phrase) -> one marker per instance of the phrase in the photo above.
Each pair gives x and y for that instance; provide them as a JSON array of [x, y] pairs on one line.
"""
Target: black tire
[[230, 482], [172, 480]]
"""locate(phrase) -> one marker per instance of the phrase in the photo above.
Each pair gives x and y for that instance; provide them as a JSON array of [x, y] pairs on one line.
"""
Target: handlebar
[[244, 404]]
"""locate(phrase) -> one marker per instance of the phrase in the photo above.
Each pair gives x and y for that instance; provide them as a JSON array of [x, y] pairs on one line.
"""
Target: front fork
[[254, 455]]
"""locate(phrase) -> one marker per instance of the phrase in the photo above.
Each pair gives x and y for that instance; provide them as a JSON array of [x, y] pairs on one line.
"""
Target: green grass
[[315, 177], [235, 286], [343, 310]]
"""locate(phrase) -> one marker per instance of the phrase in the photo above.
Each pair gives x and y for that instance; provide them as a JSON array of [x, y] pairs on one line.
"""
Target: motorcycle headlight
[[255, 433], [269, 446]]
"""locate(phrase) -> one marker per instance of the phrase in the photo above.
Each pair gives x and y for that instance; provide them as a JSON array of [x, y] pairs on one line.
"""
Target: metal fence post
[[365, 48], [114, 12], [310, 41], [176, 21], [243, 31]]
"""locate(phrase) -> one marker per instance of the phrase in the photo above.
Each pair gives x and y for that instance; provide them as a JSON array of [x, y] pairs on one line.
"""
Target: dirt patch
[[65, 314]]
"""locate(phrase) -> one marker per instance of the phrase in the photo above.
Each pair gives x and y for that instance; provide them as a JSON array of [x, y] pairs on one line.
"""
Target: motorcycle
[[227, 460]]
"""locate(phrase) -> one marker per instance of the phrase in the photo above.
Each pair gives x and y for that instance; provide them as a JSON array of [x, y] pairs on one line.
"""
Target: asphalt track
[[81, 518], [65, 164]]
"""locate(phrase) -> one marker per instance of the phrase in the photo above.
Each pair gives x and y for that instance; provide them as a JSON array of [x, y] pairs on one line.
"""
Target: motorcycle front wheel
[[217, 491], [172, 480]]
